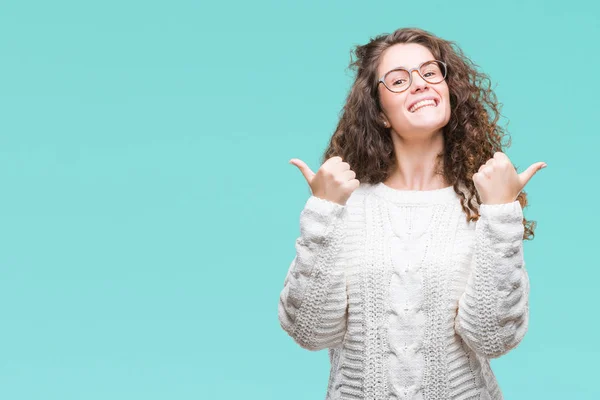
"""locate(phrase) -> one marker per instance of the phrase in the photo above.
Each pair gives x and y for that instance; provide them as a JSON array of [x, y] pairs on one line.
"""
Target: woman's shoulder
[[357, 198]]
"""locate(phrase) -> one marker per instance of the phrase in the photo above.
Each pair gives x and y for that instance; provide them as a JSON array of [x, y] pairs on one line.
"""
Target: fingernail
[[544, 166]]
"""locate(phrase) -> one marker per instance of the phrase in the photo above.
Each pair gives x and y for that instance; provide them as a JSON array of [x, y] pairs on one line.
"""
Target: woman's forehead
[[407, 55]]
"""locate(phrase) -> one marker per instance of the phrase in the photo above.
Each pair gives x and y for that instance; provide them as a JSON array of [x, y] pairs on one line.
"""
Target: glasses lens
[[397, 80], [433, 71]]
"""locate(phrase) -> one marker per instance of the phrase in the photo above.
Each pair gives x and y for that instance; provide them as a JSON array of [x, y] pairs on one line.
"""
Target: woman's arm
[[493, 312], [313, 302]]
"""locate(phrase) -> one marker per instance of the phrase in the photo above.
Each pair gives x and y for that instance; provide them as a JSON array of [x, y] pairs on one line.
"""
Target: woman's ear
[[384, 120]]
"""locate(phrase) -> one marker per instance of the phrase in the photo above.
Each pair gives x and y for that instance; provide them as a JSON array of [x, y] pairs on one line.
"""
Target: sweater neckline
[[400, 196]]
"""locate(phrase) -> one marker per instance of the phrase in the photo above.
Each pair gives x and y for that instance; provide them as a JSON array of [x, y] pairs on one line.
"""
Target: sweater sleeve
[[493, 311], [313, 302]]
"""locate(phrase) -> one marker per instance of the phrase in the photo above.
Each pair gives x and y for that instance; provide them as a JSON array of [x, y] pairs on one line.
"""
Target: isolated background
[[148, 212]]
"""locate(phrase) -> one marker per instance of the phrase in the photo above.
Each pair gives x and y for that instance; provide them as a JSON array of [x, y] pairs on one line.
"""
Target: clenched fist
[[497, 181], [334, 181]]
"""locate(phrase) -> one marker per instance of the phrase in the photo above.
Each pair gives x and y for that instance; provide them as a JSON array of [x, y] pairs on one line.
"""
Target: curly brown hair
[[471, 137]]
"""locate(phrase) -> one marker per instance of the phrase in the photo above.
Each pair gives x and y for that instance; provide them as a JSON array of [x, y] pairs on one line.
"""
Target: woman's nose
[[418, 82]]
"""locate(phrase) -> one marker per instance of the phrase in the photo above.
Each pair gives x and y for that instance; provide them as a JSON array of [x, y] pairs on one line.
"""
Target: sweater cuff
[[319, 219], [323, 206], [505, 212]]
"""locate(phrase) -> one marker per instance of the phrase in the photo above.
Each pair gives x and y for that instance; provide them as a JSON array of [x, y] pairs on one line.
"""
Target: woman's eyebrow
[[402, 66]]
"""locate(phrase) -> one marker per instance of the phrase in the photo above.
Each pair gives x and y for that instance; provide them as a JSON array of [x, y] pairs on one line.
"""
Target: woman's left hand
[[497, 181]]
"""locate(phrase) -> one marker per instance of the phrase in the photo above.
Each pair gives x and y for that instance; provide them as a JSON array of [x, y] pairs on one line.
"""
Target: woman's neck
[[416, 164]]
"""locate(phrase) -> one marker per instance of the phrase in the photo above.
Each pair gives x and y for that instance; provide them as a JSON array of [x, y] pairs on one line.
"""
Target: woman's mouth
[[423, 104]]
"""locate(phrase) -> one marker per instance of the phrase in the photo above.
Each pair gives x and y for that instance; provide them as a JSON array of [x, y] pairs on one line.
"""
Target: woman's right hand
[[334, 181]]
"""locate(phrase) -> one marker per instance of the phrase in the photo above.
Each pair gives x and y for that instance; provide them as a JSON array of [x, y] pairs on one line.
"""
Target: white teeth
[[422, 103]]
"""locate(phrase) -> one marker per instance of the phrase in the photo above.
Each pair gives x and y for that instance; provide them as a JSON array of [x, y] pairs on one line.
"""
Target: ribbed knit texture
[[410, 299]]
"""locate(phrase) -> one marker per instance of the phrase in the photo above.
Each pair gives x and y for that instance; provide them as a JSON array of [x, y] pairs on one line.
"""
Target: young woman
[[409, 266]]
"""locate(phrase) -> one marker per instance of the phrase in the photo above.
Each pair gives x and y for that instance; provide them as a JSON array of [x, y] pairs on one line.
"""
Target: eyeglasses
[[400, 79]]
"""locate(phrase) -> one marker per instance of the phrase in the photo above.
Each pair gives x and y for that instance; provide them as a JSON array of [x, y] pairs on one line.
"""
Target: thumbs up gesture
[[497, 181], [334, 181]]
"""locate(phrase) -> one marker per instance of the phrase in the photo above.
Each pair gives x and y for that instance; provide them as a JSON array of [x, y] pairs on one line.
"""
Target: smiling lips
[[423, 103]]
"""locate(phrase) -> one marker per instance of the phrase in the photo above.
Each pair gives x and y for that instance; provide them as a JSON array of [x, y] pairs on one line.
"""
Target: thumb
[[526, 175], [306, 171]]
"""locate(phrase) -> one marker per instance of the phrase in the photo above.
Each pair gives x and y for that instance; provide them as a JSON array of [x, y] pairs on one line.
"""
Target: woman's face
[[396, 106]]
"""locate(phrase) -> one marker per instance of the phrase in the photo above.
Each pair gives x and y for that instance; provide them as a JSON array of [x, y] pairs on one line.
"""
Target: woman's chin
[[430, 122]]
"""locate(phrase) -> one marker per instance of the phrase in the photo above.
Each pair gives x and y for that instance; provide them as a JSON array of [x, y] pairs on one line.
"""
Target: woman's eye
[[397, 82]]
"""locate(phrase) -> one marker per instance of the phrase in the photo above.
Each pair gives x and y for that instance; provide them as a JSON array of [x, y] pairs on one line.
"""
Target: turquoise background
[[149, 213]]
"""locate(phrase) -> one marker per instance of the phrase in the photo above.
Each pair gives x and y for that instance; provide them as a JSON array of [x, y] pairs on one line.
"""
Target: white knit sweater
[[411, 300]]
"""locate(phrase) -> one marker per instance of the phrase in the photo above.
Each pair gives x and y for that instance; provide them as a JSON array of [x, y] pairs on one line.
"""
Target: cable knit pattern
[[313, 302], [494, 311], [410, 299]]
